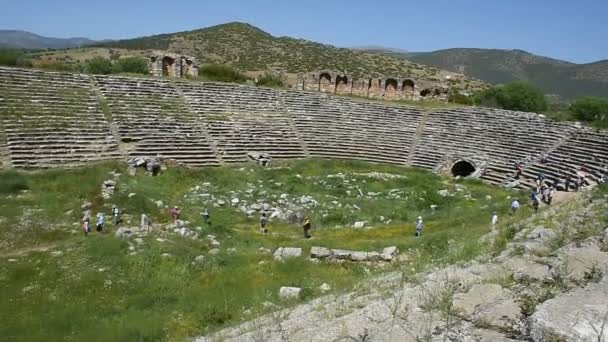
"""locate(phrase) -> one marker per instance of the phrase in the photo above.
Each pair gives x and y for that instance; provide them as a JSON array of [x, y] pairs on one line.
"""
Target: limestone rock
[[289, 292], [575, 316], [200, 259], [320, 252], [325, 287], [526, 269], [123, 233], [360, 225], [489, 303], [358, 256], [341, 254], [443, 192], [283, 253], [264, 250], [575, 262], [389, 253]]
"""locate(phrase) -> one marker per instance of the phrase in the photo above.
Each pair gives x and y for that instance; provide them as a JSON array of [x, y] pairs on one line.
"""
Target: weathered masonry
[[55, 119], [389, 88], [172, 65]]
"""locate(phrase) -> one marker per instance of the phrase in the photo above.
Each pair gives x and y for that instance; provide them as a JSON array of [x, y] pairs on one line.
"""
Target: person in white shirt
[[515, 206], [494, 220]]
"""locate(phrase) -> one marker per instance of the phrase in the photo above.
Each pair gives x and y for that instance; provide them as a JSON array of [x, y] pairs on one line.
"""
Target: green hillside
[[249, 48], [565, 79]]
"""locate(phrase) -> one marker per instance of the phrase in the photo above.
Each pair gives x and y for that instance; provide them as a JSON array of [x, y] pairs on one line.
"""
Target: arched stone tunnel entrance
[[462, 168]]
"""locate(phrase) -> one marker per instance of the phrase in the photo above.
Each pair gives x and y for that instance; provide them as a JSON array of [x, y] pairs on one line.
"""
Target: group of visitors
[[101, 220]]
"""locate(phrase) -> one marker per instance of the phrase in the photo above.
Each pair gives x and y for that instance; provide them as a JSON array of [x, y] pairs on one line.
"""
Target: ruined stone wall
[[172, 65], [389, 88]]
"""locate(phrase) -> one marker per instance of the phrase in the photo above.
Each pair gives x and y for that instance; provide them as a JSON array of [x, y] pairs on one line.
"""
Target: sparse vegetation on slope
[[249, 48]]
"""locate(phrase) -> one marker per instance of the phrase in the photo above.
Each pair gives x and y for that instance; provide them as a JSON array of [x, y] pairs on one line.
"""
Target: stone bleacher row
[[205, 124], [154, 120], [52, 119]]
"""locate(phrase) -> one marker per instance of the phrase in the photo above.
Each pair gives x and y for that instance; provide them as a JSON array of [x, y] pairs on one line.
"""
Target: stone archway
[[408, 87], [341, 85], [168, 66], [462, 168], [390, 88], [325, 84]]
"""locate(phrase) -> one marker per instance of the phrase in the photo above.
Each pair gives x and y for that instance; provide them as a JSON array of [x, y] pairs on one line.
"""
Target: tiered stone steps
[[501, 137], [341, 128], [243, 119], [52, 119], [585, 151], [151, 115]]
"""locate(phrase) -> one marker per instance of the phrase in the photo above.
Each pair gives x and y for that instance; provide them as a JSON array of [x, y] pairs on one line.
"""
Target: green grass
[[12, 182], [96, 291]]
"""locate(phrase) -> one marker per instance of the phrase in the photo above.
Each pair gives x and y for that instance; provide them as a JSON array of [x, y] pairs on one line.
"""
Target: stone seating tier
[[53, 119]]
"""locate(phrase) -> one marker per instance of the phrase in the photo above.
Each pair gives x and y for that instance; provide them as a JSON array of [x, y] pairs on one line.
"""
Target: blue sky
[[574, 30]]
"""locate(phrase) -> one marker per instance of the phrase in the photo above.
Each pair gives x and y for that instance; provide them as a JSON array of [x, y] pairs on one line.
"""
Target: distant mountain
[[27, 40], [568, 80]]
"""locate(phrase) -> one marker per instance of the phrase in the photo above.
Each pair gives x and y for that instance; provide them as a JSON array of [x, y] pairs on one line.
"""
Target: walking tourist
[[101, 221], [263, 223], [205, 214], [306, 227], [86, 226], [175, 214], [115, 215], [515, 206], [419, 226]]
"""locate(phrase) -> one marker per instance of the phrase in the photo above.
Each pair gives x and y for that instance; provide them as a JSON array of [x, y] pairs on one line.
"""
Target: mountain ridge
[[554, 76], [19, 39]]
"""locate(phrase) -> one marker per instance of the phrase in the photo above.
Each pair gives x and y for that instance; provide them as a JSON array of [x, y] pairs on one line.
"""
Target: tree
[[222, 73], [521, 96], [135, 65], [99, 65], [9, 57], [591, 109], [455, 96]]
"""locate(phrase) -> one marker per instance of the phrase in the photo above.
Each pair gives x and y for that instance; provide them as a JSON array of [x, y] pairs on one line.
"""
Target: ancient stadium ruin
[[53, 119]]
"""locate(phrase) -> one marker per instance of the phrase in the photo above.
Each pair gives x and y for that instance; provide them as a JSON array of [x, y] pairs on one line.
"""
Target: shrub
[[135, 65], [270, 80], [521, 96], [222, 73], [9, 57], [12, 182], [99, 65], [455, 96], [591, 109]]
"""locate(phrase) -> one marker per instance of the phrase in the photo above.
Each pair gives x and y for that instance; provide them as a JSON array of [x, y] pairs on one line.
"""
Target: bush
[[222, 73], [455, 96], [99, 66], [591, 109], [12, 182], [134, 65], [521, 96], [270, 80], [9, 57]]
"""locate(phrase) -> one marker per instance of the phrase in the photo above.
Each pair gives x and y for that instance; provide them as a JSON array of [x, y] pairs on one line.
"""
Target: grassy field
[[101, 288]]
